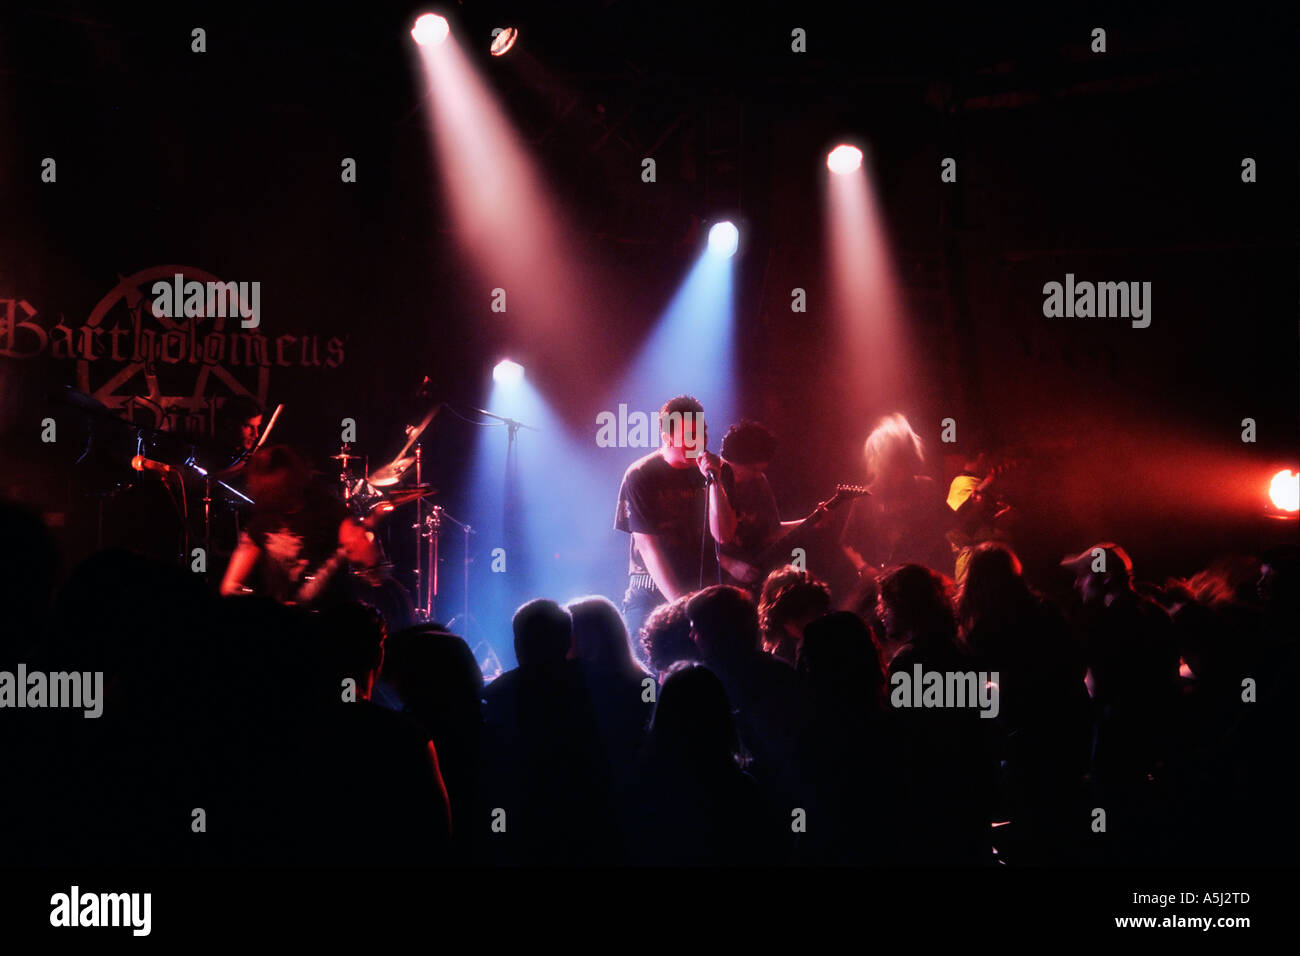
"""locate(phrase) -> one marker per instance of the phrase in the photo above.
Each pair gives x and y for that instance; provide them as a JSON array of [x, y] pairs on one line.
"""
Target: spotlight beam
[[504, 217]]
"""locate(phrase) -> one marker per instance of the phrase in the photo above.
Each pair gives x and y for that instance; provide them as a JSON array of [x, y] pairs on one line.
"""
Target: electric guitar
[[750, 570]]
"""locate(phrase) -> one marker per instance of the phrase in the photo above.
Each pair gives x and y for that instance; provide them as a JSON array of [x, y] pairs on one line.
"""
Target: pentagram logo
[[176, 366]]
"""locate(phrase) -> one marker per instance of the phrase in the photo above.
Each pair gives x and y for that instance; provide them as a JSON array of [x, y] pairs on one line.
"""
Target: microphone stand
[[513, 427], [704, 533], [434, 523], [709, 482], [234, 468]]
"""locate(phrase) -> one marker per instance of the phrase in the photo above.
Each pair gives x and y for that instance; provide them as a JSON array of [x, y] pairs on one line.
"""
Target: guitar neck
[[774, 551], [750, 571], [314, 585]]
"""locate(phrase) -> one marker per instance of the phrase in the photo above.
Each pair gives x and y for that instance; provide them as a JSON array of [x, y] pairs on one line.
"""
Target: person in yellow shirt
[[979, 515]]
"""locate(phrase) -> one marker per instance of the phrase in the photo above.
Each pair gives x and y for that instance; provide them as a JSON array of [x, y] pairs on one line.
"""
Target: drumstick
[[269, 425]]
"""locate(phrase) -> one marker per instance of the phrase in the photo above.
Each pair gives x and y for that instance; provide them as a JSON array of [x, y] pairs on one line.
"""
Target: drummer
[[238, 426]]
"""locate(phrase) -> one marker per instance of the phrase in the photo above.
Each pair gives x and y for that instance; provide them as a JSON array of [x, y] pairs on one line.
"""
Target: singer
[[675, 503]]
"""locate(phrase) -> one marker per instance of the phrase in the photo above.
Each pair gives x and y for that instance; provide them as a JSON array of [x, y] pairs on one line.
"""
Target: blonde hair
[[893, 444]]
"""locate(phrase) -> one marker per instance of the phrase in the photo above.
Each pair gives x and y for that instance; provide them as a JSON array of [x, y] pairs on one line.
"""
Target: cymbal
[[79, 399], [404, 496], [415, 431], [391, 473], [345, 457]]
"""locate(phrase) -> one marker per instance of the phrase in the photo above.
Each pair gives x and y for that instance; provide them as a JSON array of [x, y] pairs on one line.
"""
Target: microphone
[[141, 463], [710, 475]]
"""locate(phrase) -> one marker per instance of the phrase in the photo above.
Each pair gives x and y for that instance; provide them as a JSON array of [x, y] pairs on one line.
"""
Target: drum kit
[[365, 493], [383, 488]]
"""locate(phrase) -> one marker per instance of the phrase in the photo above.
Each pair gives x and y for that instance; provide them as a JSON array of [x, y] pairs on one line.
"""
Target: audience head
[[543, 635], [666, 636], [840, 660], [693, 722], [599, 634], [790, 599], [435, 674], [915, 607], [354, 640], [100, 609], [1229, 579], [1101, 573], [724, 622], [993, 583]]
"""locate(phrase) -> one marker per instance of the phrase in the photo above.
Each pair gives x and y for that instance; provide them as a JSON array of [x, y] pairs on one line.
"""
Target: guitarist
[[295, 527], [904, 520], [979, 514], [748, 447]]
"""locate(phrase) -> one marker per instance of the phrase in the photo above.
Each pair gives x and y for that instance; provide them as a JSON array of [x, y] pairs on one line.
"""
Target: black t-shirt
[[669, 503], [906, 529], [758, 519]]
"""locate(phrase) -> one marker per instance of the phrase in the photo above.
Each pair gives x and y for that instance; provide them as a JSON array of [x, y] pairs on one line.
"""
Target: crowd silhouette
[[239, 730]]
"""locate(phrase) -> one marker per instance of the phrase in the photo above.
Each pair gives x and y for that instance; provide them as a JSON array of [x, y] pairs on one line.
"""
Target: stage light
[[723, 239], [430, 30], [503, 39], [508, 373], [844, 159], [1284, 490], [505, 219]]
